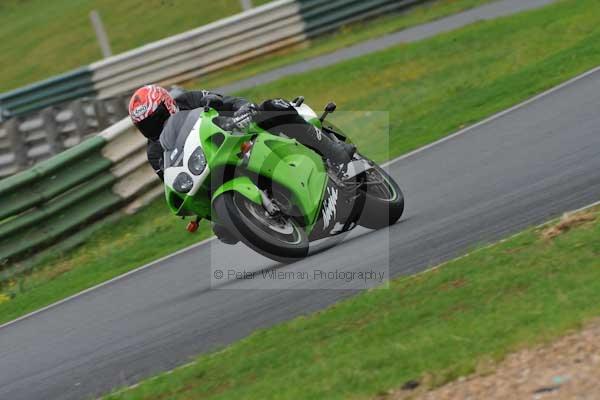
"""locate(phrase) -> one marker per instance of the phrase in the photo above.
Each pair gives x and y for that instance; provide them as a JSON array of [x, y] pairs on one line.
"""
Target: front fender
[[243, 185]]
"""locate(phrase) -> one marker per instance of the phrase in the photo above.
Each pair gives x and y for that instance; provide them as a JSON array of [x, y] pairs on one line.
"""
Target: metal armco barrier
[[67, 86], [273, 26], [65, 193], [26, 140]]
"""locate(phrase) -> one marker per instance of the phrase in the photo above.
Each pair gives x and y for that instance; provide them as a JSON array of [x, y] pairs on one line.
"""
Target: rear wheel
[[384, 201], [275, 236]]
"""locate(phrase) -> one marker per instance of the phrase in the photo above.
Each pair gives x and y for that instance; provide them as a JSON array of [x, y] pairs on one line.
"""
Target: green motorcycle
[[271, 192]]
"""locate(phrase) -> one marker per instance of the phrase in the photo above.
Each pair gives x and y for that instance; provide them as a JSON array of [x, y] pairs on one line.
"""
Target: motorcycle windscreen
[[174, 136]]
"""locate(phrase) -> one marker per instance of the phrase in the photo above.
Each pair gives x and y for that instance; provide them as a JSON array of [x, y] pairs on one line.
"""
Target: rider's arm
[[194, 99], [154, 151], [201, 98]]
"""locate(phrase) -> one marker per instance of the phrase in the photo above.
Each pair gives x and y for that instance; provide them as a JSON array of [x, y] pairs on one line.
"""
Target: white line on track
[[494, 117], [543, 224], [419, 150], [108, 282]]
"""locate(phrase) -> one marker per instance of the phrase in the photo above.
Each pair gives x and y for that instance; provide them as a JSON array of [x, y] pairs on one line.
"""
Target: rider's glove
[[243, 117]]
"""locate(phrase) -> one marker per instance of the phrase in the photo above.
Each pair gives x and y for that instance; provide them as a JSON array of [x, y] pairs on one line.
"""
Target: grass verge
[[43, 38], [344, 37], [436, 86], [440, 325], [430, 88]]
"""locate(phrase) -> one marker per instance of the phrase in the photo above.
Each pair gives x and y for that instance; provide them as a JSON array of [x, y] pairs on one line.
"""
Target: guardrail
[[67, 192], [273, 26], [67, 86], [26, 140]]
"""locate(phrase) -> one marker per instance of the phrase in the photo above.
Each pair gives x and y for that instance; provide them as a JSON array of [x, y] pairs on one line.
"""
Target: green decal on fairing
[[242, 185]]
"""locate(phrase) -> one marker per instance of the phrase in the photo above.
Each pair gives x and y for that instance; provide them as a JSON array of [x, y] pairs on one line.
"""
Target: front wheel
[[384, 201], [275, 236]]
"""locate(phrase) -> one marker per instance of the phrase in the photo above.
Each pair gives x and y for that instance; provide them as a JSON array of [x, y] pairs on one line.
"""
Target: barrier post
[[18, 145], [79, 118], [246, 4], [100, 34], [101, 114], [52, 131]]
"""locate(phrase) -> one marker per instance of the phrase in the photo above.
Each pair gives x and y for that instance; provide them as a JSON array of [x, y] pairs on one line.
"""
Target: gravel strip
[[566, 369]]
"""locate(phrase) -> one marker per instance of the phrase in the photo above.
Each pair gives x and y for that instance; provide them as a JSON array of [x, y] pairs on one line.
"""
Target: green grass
[[344, 37], [440, 325], [430, 88], [43, 38]]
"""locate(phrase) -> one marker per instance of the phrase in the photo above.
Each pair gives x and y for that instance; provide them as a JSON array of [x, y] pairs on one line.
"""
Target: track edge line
[[105, 283]]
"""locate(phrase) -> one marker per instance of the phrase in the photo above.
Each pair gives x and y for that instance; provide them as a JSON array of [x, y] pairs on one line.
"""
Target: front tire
[[384, 200], [276, 237]]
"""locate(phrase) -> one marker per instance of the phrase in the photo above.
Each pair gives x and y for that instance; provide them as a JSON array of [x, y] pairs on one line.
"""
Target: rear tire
[[384, 200], [279, 238]]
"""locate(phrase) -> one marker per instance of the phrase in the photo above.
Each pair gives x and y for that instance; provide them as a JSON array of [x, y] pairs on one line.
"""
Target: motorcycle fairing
[[338, 213], [293, 166]]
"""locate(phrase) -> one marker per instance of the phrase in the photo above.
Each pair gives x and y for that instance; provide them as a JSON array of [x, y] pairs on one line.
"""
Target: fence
[[65, 193], [197, 52], [29, 139]]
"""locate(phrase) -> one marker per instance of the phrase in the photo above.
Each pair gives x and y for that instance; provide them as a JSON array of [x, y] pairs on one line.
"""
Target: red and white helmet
[[149, 108]]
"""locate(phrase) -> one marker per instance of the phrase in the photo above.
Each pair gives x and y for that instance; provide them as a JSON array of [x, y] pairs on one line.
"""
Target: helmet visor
[[152, 126]]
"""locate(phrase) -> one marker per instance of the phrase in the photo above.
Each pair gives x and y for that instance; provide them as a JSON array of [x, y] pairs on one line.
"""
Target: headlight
[[183, 183], [197, 162]]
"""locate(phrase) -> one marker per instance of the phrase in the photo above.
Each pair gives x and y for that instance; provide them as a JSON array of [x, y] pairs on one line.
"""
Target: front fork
[[268, 204]]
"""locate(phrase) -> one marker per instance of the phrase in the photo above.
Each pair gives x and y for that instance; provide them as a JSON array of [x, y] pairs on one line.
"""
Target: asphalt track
[[515, 170]]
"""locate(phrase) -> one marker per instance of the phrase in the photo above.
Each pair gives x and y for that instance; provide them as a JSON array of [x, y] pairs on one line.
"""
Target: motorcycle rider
[[155, 112], [151, 106]]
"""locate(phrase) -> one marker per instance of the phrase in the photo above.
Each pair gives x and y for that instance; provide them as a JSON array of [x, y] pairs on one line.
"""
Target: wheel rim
[[379, 187], [280, 226]]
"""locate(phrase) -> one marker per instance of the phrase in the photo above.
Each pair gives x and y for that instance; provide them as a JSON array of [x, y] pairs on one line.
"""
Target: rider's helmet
[[149, 108]]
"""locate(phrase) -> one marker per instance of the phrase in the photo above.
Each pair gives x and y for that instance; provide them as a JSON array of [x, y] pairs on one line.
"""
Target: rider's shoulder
[[179, 118]]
